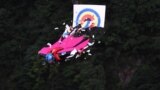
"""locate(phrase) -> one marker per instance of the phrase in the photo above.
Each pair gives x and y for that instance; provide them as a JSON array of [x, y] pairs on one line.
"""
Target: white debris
[[63, 23], [63, 53], [88, 51], [56, 28], [93, 36], [99, 41], [66, 60], [49, 44], [90, 44], [78, 55], [85, 58], [89, 54], [85, 47], [67, 27], [73, 52]]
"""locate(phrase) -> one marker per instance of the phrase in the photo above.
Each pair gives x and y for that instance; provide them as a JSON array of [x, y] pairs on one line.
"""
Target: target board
[[89, 15]]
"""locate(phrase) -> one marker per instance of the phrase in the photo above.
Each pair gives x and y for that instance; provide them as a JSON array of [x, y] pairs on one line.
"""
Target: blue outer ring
[[88, 10]]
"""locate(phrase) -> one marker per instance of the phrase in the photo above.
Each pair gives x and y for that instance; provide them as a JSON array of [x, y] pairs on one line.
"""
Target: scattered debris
[[63, 23], [56, 28], [99, 42], [91, 44], [49, 44], [88, 51], [93, 36], [78, 55]]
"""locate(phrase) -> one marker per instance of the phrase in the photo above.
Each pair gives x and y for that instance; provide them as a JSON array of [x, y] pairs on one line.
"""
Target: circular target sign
[[88, 18]]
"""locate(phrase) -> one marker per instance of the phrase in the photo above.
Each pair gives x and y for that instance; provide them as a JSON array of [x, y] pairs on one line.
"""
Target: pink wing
[[68, 44], [78, 47], [44, 50]]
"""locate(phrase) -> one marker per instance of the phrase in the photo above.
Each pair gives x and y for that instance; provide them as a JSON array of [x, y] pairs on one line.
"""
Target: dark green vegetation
[[127, 59]]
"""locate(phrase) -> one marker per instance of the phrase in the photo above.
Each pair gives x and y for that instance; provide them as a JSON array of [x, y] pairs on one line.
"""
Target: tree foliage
[[126, 59]]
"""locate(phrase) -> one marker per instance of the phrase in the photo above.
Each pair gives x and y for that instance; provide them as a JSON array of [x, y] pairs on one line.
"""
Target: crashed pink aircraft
[[67, 46]]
